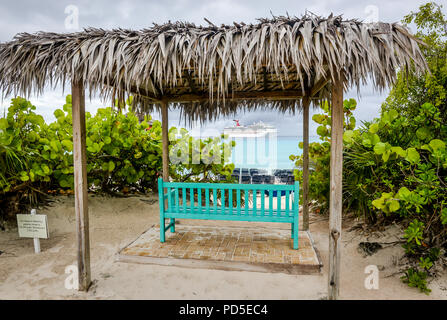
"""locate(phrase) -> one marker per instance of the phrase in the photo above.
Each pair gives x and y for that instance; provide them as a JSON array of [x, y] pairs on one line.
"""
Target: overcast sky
[[51, 15]]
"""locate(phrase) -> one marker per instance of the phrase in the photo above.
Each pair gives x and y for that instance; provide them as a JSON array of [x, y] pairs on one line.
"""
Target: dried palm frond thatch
[[210, 71]]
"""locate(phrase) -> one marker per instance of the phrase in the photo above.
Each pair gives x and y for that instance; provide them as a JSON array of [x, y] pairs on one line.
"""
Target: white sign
[[33, 226]]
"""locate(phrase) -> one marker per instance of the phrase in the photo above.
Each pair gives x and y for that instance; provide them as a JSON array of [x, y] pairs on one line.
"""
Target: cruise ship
[[259, 129]]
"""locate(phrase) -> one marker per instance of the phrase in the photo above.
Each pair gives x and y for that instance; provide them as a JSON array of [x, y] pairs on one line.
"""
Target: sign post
[[36, 239], [33, 226]]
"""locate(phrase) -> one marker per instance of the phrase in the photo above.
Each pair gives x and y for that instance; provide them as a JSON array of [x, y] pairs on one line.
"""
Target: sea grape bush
[[123, 154], [19, 159], [408, 172], [319, 155], [395, 169], [199, 160]]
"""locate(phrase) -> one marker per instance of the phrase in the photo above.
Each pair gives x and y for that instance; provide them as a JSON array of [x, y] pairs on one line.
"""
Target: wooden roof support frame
[[165, 139], [306, 104], [80, 185], [30, 60]]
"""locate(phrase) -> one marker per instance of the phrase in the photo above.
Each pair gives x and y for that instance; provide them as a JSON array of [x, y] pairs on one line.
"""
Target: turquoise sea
[[269, 152]]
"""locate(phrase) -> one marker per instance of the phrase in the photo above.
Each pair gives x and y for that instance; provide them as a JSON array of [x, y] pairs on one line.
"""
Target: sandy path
[[115, 222]]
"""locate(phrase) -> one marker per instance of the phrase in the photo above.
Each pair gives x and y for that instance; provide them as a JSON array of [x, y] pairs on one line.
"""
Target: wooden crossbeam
[[237, 95]]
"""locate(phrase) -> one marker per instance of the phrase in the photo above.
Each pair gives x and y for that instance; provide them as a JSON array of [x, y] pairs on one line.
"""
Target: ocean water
[[269, 152]]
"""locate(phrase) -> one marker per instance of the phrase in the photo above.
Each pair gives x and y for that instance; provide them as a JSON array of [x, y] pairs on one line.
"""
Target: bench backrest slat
[[222, 194], [278, 201], [184, 199], [215, 200], [230, 201], [262, 203], [169, 199], [191, 199], [207, 200], [255, 198], [176, 200], [238, 205], [199, 198], [247, 201]]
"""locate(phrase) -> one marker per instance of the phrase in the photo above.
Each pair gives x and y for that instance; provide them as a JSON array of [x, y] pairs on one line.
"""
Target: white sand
[[115, 222]]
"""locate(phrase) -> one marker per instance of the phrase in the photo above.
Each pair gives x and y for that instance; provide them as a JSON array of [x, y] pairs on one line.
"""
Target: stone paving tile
[[250, 245]]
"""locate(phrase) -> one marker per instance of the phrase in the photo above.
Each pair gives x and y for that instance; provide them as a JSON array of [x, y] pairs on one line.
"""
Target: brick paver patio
[[225, 247]]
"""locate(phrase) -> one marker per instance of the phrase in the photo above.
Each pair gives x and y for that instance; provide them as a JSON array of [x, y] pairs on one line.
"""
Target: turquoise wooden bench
[[204, 203]]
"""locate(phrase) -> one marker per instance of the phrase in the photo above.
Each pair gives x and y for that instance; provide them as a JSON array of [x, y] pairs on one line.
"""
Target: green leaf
[[347, 136], [53, 145], [24, 176], [3, 124], [45, 169], [437, 144], [444, 216], [379, 148], [58, 113], [373, 128], [422, 133], [403, 193], [68, 145], [319, 118], [375, 139], [393, 114], [399, 151], [322, 131], [412, 155], [393, 205]]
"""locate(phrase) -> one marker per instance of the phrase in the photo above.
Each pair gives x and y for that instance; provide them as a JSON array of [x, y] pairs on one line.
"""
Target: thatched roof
[[214, 70]]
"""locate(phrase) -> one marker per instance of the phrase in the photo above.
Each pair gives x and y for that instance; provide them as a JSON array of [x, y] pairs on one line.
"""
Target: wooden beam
[[306, 105], [335, 197], [80, 185], [165, 138], [237, 95], [318, 86]]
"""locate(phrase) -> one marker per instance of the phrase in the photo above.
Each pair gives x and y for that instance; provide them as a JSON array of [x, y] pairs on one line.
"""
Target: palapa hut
[[282, 63]]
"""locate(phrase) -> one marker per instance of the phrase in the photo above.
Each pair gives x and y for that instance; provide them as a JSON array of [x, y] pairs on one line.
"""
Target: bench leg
[[291, 233], [295, 235], [172, 225], [162, 229]]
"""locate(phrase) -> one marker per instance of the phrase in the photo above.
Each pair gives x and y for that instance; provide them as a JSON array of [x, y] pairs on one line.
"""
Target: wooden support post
[[80, 185], [335, 198], [306, 105], [165, 138]]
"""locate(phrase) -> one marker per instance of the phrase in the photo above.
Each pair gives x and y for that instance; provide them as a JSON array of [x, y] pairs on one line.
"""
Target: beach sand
[[115, 222]]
